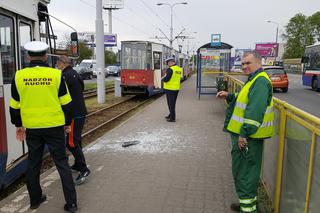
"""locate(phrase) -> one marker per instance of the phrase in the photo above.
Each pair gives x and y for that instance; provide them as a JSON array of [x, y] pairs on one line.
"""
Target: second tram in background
[[142, 66]]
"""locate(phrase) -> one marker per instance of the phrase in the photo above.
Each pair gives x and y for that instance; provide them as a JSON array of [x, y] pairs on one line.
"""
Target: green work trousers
[[246, 168]]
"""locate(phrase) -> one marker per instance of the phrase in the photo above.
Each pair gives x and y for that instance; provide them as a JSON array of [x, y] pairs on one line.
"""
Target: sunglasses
[[246, 63]]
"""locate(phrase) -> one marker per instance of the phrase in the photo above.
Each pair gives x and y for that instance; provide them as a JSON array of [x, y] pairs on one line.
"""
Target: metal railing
[[291, 161]]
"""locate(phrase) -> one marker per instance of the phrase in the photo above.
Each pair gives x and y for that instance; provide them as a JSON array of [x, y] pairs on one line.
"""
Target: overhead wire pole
[[276, 23], [171, 27], [101, 95], [109, 9]]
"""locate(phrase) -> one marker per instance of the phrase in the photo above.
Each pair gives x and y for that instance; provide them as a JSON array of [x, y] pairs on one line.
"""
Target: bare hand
[[222, 94], [242, 143], [20, 134], [67, 129]]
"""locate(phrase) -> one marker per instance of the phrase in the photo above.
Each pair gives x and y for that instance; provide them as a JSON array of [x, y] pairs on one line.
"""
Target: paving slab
[[176, 167]]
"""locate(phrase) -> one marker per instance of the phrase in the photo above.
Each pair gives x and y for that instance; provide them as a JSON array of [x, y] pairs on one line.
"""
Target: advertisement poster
[[267, 49], [117, 4]]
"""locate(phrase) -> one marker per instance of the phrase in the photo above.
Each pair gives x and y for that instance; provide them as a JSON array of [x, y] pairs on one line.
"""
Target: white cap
[[169, 59], [36, 47]]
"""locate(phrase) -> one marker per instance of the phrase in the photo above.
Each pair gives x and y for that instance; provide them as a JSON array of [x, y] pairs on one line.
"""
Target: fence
[[291, 161]]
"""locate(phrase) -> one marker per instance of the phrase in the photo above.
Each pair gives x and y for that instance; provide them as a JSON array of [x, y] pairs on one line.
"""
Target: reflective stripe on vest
[[174, 82], [248, 209], [248, 200], [266, 128], [40, 105]]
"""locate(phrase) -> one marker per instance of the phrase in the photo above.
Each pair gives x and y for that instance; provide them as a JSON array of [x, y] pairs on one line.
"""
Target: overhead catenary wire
[[143, 18], [131, 10], [154, 12], [118, 19]]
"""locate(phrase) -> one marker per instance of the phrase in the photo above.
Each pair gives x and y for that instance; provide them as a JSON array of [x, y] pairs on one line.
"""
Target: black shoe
[[235, 207], [71, 208], [74, 168], [171, 120], [167, 117], [82, 177], [42, 199]]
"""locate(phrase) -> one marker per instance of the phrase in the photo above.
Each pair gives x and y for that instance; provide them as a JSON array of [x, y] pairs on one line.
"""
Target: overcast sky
[[241, 23]]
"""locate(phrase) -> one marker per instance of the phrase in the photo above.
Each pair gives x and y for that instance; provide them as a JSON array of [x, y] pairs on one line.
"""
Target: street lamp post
[[171, 28], [273, 22]]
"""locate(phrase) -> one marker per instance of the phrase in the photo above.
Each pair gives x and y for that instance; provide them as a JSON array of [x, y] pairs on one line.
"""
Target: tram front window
[[8, 61], [25, 36], [134, 56]]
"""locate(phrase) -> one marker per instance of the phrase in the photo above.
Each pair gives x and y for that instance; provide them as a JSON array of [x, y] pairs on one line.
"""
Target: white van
[[86, 68], [90, 65]]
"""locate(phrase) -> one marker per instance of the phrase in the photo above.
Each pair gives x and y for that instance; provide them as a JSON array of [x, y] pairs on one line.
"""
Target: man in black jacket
[[76, 86]]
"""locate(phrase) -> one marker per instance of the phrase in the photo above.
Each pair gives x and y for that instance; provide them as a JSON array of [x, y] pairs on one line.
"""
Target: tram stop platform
[[181, 167]]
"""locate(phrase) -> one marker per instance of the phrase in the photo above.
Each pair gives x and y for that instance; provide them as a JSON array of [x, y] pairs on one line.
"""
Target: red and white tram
[[20, 22], [142, 66]]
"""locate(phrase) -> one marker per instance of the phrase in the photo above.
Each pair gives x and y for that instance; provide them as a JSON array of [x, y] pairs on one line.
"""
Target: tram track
[[108, 117], [93, 92]]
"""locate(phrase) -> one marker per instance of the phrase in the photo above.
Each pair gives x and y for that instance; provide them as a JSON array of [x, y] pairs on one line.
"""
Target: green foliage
[[85, 52], [110, 57], [87, 86], [299, 33], [315, 23]]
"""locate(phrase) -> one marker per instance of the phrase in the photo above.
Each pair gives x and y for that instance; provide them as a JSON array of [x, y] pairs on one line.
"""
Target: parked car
[[86, 68], [113, 70], [278, 77]]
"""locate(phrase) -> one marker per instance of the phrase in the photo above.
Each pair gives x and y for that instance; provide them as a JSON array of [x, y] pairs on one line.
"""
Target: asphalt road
[[300, 96]]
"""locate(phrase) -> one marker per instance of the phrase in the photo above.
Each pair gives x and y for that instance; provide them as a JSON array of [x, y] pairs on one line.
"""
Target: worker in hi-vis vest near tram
[[40, 110], [171, 85], [249, 120]]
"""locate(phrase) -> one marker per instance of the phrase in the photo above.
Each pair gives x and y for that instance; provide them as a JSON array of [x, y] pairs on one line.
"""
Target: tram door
[[157, 66], [14, 33], [3, 129]]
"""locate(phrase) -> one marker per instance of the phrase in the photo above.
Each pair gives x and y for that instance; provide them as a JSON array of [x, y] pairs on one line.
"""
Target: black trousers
[[171, 101], [55, 140], [74, 144]]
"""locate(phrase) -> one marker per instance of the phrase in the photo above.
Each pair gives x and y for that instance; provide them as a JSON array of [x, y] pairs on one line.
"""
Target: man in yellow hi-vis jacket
[[249, 120], [39, 109], [171, 85]]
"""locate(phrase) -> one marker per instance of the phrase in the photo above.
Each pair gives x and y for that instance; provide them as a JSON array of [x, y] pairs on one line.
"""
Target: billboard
[[87, 37], [116, 4], [110, 40], [267, 49]]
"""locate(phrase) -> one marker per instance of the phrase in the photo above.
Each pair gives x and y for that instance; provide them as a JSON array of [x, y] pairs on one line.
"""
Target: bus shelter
[[211, 62]]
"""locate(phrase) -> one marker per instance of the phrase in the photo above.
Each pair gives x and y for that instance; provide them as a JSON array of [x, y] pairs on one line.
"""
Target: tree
[[315, 24], [299, 33], [109, 57], [84, 51]]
